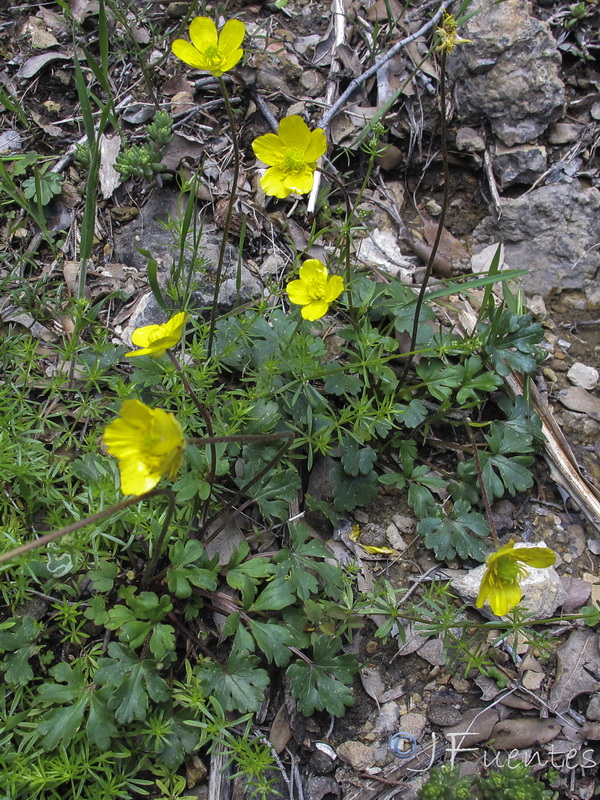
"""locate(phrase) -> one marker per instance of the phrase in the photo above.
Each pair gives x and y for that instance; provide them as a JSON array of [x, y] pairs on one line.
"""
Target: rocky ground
[[524, 131]]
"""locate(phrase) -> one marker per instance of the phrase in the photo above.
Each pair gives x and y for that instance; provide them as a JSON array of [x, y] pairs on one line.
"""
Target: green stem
[[438, 236], [209, 429], [346, 230], [75, 526], [151, 565], [232, 196]]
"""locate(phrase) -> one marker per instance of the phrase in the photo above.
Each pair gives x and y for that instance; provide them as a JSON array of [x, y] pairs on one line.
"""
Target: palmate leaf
[[323, 684], [132, 683], [240, 686], [504, 466], [75, 696], [510, 342], [462, 532], [18, 643]]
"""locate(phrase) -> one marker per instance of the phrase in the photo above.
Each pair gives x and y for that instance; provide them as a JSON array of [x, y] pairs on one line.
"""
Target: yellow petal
[[504, 597], [203, 33], [300, 182], [146, 334], [484, 590], [297, 291], [313, 270], [335, 286], [539, 557], [135, 478], [268, 148], [188, 53], [294, 132], [273, 183], [230, 60], [231, 36], [316, 146], [314, 310]]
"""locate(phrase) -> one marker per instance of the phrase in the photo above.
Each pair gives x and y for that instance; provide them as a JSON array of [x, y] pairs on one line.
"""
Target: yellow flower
[[314, 290], [292, 155], [504, 571], [447, 36], [211, 51], [148, 442], [155, 340]]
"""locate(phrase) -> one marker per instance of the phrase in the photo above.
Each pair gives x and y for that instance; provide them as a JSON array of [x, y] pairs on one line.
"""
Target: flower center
[[316, 288], [211, 54], [293, 160], [509, 570]]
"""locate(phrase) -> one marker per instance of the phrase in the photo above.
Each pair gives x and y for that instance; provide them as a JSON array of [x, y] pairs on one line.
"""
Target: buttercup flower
[[211, 51], [447, 36], [500, 582], [155, 340], [314, 290], [148, 442], [292, 155]]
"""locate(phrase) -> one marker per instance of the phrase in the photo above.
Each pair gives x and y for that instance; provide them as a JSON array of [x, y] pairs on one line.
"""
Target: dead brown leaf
[[572, 678]]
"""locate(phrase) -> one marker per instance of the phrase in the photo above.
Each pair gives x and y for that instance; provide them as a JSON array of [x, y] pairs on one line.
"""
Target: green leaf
[[132, 683], [356, 459], [191, 566], [238, 687], [302, 567], [19, 644], [415, 413], [273, 640], [189, 486], [461, 533], [510, 341], [349, 491], [500, 470], [245, 577], [275, 596], [323, 684], [340, 383]]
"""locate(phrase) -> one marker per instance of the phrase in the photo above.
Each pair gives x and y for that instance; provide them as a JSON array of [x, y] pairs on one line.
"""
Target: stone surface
[[474, 727], [542, 589], [552, 231], [148, 231], [582, 375], [509, 74], [412, 723], [380, 249], [358, 755], [519, 164], [469, 140]]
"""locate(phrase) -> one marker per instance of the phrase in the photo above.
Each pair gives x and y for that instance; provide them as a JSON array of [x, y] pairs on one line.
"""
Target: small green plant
[[513, 782], [144, 161]]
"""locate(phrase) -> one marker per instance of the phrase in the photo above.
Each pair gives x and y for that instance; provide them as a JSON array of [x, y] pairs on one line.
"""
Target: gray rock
[[509, 74], [552, 231], [542, 591], [412, 723], [593, 709], [582, 375], [150, 231], [564, 133], [320, 788], [442, 712], [469, 140], [474, 727], [519, 164]]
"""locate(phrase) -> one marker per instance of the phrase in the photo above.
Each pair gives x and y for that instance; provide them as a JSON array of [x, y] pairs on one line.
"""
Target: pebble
[[584, 376], [360, 517], [412, 723], [443, 714], [533, 680], [358, 755], [593, 709]]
